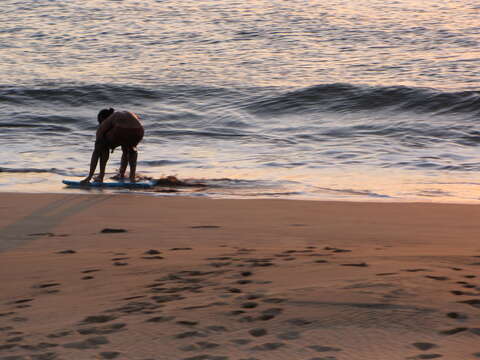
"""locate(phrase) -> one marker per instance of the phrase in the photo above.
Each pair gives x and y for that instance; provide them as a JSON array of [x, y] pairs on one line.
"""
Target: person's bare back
[[116, 128]]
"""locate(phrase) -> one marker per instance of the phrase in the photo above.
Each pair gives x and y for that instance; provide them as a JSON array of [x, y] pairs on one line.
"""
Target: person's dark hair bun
[[104, 113]]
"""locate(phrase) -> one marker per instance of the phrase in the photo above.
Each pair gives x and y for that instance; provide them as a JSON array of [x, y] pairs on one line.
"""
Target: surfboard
[[114, 184]]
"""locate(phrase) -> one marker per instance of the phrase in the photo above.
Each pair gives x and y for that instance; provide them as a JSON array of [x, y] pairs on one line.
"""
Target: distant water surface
[[294, 99]]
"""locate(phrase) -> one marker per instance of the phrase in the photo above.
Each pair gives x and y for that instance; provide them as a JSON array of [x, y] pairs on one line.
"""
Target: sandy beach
[[139, 277]]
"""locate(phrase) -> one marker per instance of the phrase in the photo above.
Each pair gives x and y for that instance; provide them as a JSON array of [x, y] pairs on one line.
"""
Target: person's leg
[[132, 161], [124, 162], [104, 155]]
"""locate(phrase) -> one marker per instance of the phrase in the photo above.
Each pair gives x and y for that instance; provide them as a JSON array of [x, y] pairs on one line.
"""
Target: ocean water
[[331, 99]]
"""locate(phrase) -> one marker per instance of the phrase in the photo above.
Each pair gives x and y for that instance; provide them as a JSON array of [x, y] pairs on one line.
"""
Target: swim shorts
[[118, 136]]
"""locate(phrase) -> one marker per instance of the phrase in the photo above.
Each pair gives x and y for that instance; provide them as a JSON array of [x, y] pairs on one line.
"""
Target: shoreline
[[183, 278], [364, 184], [168, 194]]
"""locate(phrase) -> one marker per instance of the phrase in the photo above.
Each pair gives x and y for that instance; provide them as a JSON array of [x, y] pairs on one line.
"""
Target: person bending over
[[116, 128]]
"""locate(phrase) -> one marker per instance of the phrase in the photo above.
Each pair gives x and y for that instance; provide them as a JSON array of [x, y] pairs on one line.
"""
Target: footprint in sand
[[14, 339], [45, 356], [205, 227], [109, 354], [241, 341], [475, 331], [235, 312], [152, 252], [252, 296], [206, 357], [244, 282], [201, 345], [439, 278], [298, 322], [22, 301], [274, 300], [362, 264], [320, 348], [247, 319], [216, 328], [160, 319], [453, 331], [95, 319], [257, 332], [473, 302], [112, 231], [69, 251], [249, 305], [220, 264], [216, 303], [386, 274], [134, 297], [7, 314], [133, 307], [268, 346], [187, 323], [270, 314], [153, 257], [289, 335], [189, 334], [7, 347], [60, 334], [88, 271], [45, 285], [336, 250], [460, 293], [455, 315], [39, 347], [424, 346], [90, 343], [107, 329]]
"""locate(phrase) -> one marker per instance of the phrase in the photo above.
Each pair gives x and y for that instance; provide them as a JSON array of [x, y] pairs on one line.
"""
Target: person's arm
[[93, 164], [99, 148], [104, 127]]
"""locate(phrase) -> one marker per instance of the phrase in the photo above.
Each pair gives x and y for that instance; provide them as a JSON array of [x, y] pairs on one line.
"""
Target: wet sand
[[135, 277]]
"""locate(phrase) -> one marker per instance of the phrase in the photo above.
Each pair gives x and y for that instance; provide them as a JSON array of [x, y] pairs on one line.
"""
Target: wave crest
[[347, 97]]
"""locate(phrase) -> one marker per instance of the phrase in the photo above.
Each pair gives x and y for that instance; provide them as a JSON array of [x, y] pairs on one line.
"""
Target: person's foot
[[118, 177], [98, 179]]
